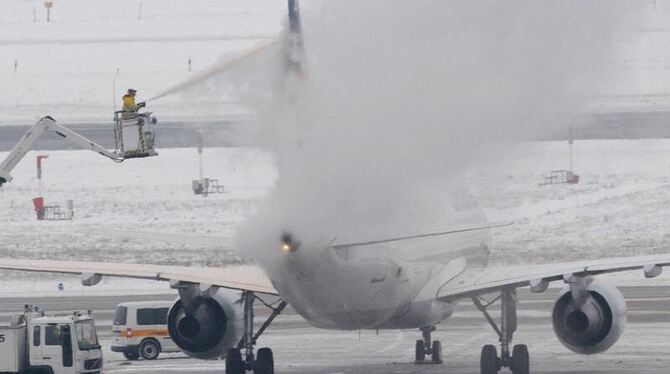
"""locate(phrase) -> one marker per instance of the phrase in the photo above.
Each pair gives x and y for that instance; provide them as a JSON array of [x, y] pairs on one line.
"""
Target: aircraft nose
[[288, 243]]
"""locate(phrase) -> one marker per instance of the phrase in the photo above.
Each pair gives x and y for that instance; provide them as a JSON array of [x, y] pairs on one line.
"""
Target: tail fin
[[296, 47]]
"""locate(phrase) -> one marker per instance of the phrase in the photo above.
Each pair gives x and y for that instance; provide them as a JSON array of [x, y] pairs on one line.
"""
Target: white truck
[[34, 343]]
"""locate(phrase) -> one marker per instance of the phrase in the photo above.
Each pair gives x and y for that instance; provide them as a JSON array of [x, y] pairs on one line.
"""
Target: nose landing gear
[[425, 348]]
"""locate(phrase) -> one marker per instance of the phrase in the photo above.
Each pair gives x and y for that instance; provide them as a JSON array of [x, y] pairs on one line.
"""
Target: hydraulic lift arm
[[29, 138]]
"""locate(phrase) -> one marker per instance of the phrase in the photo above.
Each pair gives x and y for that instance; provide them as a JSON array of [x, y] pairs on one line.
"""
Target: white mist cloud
[[403, 95]]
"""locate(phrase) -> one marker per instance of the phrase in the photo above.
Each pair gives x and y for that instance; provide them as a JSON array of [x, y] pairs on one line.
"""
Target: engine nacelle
[[597, 325], [215, 325]]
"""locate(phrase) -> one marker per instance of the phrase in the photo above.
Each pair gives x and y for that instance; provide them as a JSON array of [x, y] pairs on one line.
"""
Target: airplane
[[410, 281]]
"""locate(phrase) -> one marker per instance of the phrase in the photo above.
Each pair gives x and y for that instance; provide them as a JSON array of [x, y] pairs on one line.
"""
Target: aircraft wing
[[244, 278], [483, 281]]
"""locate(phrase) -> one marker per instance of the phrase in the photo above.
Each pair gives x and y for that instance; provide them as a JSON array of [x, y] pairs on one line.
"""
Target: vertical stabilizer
[[296, 52]]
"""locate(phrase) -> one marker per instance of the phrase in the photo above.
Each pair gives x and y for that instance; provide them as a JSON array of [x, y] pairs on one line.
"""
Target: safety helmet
[[132, 91]]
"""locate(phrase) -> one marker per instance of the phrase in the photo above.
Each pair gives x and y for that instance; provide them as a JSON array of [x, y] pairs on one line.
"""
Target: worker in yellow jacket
[[130, 108]]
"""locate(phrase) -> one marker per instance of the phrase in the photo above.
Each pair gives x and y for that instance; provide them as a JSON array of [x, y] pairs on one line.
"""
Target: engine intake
[[214, 325], [593, 327]]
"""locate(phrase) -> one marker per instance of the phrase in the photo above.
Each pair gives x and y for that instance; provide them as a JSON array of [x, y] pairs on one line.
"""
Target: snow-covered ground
[[619, 208], [67, 67], [151, 195]]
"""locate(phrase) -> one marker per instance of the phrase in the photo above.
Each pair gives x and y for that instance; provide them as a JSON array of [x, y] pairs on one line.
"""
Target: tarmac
[[171, 133], [300, 348]]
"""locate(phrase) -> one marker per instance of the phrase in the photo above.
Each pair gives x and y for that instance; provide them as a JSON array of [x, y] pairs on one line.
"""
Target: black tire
[[234, 362], [420, 351], [489, 360], [265, 363], [436, 353], [520, 359], [131, 355], [38, 370], [150, 349]]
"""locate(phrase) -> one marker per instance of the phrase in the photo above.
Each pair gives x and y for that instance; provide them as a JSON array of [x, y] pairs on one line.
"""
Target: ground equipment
[[53, 212], [133, 134], [564, 176], [49, 212], [62, 344], [560, 177], [207, 186], [204, 186]]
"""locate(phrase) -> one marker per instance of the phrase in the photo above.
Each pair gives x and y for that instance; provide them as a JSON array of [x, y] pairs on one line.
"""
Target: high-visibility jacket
[[129, 103]]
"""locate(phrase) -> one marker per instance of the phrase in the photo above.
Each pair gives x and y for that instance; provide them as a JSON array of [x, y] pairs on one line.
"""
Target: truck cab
[[38, 344]]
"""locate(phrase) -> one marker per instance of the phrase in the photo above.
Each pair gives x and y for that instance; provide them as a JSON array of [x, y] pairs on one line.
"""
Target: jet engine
[[207, 326], [593, 324]]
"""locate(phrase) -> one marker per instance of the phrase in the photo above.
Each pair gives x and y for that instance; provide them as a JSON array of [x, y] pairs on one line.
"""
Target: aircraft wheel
[[436, 353], [420, 351], [520, 359], [234, 362], [489, 360], [265, 363]]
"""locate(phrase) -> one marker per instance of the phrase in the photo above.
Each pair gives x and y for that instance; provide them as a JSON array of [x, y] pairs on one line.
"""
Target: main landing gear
[[518, 360], [263, 361], [425, 348]]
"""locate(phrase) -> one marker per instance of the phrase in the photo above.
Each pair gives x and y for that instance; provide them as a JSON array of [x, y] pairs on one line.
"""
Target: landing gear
[[263, 361], [420, 351], [234, 364], [518, 360], [427, 348], [489, 360]]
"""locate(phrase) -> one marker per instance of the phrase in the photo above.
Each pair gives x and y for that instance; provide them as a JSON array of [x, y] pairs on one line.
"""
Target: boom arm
[[29, 138]]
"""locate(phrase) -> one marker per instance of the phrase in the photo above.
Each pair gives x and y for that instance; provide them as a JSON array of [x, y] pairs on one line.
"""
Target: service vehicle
[[140, 330], [134, 137], [34, 343]]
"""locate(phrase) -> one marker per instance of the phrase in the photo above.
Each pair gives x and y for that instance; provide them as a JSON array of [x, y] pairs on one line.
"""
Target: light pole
[[39, 173], [114, 88], [48, 4], [571, 141]]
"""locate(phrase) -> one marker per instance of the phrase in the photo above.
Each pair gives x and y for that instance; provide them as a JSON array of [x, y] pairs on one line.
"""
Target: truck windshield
[[87, 338]]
